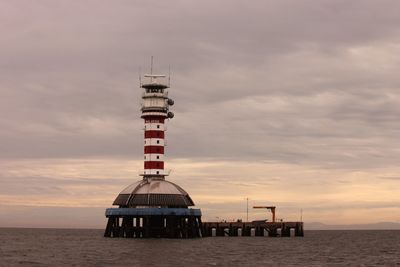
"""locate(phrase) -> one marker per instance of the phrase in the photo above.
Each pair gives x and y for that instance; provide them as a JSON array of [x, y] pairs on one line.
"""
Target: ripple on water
[[60, 247]]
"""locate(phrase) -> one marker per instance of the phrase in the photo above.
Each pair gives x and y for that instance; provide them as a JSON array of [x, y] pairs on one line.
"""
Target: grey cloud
[[393, 178], [295, 206], [305, 82], [287, 210], [67, 217], [57, 186], [274, 81]]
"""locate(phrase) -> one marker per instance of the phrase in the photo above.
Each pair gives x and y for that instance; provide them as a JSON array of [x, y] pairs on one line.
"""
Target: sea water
[[67, 247]]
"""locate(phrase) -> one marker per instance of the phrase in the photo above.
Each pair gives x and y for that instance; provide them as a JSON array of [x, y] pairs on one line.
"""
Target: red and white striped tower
[[153, 206], [155, 110]]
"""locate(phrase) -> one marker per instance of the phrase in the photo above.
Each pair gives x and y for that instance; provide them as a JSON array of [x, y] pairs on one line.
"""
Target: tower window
[[158, 157], [158, 141], [158, 126], [158, 172]]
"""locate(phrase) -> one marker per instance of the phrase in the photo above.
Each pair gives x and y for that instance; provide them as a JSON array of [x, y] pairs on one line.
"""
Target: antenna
[[301, 215], [151, 69], [140, 77], [169, 75], [247, 209]]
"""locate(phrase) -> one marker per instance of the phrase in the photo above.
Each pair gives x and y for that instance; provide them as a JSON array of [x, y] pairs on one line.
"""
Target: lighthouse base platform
[[153, 222]]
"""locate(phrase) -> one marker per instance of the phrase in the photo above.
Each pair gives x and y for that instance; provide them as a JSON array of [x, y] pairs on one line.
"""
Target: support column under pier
[[299, 229], [156, 222]]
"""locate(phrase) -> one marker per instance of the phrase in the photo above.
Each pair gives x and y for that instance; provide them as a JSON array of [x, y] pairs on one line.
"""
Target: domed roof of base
[[153, 192]]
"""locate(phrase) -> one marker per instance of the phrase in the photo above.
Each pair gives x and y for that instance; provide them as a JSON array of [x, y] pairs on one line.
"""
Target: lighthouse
[[153, 206], [155, 111]]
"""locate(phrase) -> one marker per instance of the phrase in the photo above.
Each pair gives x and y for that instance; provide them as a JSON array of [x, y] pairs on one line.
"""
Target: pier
[[186, 223], [255, 228]]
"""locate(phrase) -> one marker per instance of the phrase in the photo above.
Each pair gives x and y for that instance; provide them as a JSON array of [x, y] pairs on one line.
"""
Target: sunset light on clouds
[[289, 103]]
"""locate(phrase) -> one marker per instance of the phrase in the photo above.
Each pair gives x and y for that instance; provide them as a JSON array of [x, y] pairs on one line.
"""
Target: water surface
[[67, 247]]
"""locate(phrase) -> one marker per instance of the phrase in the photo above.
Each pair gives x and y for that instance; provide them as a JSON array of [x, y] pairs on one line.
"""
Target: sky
[[293, 103]]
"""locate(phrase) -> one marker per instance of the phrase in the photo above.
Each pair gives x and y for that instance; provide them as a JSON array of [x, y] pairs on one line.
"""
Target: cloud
[[310, 85], [219, 188]]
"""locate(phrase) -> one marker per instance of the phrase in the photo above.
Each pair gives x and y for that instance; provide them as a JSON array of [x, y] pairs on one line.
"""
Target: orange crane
[[272, 208]]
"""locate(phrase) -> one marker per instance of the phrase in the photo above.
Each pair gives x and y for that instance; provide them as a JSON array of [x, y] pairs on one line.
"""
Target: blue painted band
[[152, 212]]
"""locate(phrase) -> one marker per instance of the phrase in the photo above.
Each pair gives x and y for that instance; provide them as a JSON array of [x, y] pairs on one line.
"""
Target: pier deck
[[255, 228]]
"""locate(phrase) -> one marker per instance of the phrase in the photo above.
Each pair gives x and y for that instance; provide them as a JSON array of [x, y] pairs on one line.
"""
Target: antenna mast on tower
[[151, 70]]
